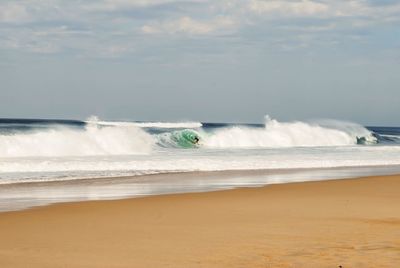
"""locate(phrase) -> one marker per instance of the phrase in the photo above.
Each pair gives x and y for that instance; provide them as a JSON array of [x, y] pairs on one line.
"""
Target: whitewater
[[87, 156]]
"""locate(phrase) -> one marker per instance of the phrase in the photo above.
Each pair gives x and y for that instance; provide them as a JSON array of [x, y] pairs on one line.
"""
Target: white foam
[[92, 140], [169, 125], [54, 168], [95, 120], [288, 134]]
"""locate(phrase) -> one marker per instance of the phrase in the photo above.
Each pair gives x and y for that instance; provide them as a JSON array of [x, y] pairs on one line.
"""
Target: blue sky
[[201, 60]]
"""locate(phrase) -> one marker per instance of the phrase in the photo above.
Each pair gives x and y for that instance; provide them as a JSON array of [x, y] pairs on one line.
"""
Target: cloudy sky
[[228, 60]]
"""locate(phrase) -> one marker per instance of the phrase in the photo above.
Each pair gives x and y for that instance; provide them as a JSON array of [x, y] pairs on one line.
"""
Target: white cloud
[[114, 5], [310, 28], [13, 13], [60, 31], [188, 25], [111, 27], [298, 8]]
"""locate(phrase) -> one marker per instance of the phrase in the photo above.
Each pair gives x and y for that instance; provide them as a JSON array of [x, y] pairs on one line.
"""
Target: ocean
[[47, 161]]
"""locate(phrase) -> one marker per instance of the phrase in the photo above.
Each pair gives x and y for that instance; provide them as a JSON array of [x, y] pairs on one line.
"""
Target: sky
[[201, 60]]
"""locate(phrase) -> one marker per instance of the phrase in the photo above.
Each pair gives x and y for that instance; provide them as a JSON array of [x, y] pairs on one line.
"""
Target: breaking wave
[[290, 134], [91, 140], [94, 137]]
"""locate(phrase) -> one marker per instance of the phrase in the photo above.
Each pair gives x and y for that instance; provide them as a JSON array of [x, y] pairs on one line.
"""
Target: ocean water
[[45, 161]]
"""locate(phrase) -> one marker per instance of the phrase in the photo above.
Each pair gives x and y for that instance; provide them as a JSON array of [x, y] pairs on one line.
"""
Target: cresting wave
[[130, 138], [62, 141], [291, 134]]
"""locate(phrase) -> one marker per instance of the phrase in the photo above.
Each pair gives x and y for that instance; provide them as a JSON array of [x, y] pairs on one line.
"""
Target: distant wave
[[95, 120]]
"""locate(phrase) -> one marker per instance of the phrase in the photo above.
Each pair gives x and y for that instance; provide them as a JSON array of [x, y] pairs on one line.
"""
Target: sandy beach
[[347, 223]]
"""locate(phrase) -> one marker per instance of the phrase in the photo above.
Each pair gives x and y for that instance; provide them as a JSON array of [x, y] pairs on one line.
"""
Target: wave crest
[[290, 134], [92, 140]]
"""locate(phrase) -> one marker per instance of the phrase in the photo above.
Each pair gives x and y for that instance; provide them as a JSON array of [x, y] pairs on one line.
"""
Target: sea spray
[[63, 141], [277, 134]]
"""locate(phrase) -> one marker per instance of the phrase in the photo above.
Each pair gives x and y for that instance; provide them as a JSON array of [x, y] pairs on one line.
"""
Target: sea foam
[[277, 134], [91, 140]]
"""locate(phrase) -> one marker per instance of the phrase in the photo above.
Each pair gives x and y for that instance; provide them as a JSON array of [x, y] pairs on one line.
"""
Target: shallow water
[[25, 195]]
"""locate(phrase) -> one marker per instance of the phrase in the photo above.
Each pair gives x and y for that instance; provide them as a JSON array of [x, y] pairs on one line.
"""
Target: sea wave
[[91, 140], [95, 137], [173, 125], [277, 134]]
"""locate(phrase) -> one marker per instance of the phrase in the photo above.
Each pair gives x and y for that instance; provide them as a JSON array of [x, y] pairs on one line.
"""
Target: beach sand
[[347, 223]]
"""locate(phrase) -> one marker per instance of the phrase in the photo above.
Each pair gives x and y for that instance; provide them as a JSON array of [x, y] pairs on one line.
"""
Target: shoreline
[[225, 173], [351, 222], [25, 195]]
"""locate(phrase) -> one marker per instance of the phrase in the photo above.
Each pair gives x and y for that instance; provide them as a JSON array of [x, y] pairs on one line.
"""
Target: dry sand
[[348, 223]]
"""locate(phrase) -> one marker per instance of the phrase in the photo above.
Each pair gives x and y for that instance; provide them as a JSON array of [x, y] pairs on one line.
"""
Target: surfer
[[361, 140]]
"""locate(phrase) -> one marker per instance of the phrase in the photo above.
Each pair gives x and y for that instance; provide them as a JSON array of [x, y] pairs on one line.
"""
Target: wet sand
[[348, 223]]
